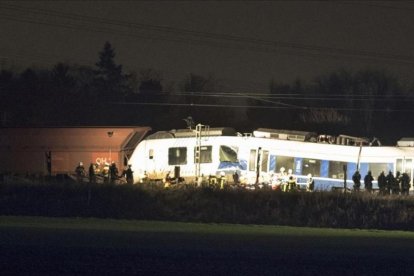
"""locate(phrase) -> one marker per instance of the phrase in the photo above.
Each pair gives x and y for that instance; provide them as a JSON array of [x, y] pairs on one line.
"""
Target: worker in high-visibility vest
[[291, 184], [167, 181], [222, 180]]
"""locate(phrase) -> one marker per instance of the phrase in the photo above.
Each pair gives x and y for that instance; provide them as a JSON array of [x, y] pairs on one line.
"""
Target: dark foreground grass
[[56, 246], [189, 204]]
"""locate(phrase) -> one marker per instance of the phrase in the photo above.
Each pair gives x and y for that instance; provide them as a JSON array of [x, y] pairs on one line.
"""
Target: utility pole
[[197, 153], [258, 163], [199, 129], [345, 167]]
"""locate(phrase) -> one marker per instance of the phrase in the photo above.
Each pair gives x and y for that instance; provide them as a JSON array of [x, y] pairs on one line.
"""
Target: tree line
[[364, 103]]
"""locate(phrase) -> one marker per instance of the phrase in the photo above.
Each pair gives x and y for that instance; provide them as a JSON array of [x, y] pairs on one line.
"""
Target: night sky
[[243, 44]]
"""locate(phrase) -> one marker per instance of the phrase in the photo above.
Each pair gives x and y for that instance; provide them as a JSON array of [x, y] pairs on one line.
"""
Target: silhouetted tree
[[61, 77], [110, 78], [85, 83], [278, 88], [365, 96], [198, 83], [150, 82], [7, 95], [63, 83]]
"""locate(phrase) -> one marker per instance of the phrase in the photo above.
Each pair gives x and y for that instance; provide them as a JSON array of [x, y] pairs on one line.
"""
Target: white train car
[[259, 156]]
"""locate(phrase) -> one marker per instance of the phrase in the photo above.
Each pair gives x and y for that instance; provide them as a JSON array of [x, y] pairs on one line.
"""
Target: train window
[[286, 162], [265, 159], [377, 168], [177, 156], [252, 160], [311, 166], [399, 165], [336, 169], [404, 166], [408, 166], [205, 154], [228, 154]]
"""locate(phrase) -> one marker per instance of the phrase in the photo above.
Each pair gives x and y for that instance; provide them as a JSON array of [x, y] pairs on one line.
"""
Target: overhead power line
[[381, 5], [201, 38], [290, 96], [268, 107]]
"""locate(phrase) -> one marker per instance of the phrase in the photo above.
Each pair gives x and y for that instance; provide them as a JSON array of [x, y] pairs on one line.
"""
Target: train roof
[[279, 134], [406, 142], [187, 133], [284, 134]]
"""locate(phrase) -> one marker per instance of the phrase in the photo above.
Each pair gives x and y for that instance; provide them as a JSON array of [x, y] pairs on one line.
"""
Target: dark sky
[[244, 44]]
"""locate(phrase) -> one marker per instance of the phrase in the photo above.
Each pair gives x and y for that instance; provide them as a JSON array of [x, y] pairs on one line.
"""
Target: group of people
[[287, 182], [387, 184], [109, 173]]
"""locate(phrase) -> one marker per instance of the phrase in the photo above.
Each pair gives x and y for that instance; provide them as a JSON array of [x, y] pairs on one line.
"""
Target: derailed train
[[259, 156]]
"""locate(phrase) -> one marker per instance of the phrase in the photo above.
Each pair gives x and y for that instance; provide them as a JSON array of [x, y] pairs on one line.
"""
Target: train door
[[252, 160], [151, 170], [265, 161], [405, 165], [257, 163]]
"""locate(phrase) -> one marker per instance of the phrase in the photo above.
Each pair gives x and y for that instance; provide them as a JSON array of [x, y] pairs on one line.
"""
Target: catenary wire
[[266, 107], [327, 51]]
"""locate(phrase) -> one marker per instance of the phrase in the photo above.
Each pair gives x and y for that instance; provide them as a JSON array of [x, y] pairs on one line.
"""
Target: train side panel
[[263, 158]]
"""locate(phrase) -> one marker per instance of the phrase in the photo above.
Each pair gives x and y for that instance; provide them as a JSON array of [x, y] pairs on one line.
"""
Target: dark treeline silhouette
[[364, 103]]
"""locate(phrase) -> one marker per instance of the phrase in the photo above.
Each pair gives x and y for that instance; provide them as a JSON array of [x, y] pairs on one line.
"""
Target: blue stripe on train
[[326, 184]]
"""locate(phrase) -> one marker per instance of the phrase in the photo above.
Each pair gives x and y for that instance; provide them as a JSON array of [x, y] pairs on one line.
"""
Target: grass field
[[51, 246]]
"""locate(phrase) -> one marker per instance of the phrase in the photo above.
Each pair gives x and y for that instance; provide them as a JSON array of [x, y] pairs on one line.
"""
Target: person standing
[[105, 172], [236, 178], [291, 184], [129, 175], [80, 172], [368, 182], [92, 180], [390, 180], [357, 180], [382, 183], [396, 185], [310, 183], [92, 175], [405, 184], [113, 172], [222, 180]]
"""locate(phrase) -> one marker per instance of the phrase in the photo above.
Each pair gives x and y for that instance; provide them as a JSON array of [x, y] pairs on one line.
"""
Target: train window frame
[[226, 151], [265, 161], [339, 169], [252, 160], [313, 168], [399, 165], [285, 160], [206, 154], [180, 159], [376, 171]]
